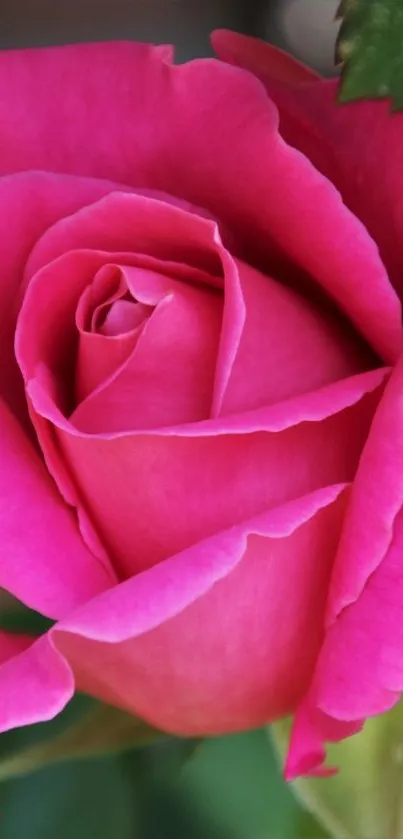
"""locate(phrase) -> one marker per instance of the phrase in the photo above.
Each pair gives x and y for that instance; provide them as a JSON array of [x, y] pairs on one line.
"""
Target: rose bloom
[[201, 415]]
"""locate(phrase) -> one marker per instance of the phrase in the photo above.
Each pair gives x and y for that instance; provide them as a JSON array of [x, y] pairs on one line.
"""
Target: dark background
[[303, 26]]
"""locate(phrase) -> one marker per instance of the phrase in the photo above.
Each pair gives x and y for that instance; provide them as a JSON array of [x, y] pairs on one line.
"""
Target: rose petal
[[35, 685], [260, 58], [169, 375], [161, 119], [249, 666], [164, 470], [44, 561], [165, 232], [29, 203], [100, 354], [312, 727], [376, 500], [360, 668], [345, 144], [143, 225], [288, 345], [12, 644], [243, 654]]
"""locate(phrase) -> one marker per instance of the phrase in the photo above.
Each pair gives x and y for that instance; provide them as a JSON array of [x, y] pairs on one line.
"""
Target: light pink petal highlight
[[35, 685], [30, 202]]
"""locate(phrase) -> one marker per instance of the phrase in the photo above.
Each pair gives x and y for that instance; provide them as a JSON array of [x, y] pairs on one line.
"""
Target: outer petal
[[180, 463], [260, 58], [360, 669], [345, 143], [289, 345], [29, 203], [149, 122], [35, 684], [169, 375], [163, 471], [11, 644], [192, 657], [44, 561]]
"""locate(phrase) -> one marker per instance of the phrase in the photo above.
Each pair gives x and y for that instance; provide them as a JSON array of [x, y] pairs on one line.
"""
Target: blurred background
[[305, 27], [222, 788], [227, 788]]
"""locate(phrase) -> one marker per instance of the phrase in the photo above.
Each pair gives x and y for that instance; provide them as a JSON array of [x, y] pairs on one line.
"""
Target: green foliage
[[222, 788], [370, 47], [164, 788], [17, 618], [97, 730]]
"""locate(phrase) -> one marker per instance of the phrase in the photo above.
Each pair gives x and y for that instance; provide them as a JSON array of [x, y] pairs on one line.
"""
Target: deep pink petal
[[169, 375], [142, 658], [353, 139], [261, 58], [376, 500], [153, 228], [98, 357], [101, 350], [166, 469], [144, 225], [35, 684], [360, 668], [312, 727], [29, 203], [12, 644], [345, 143], [55, 99], [288, 345], [160, 120], [250, 665], [47, 328], [44, 561]]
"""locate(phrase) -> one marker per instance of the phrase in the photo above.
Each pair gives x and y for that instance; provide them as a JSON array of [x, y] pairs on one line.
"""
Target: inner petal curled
[[149, 349], [109, 323]]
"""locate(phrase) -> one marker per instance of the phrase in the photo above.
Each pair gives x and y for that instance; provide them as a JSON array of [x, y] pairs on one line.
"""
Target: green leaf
[[18, 618], [100, 729], [95, 799], [237, 781], [370, 48], [223, 788], [129, 794], [365, 799]]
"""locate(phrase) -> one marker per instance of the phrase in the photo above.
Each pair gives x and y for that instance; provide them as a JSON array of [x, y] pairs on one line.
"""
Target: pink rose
[[203, 334]]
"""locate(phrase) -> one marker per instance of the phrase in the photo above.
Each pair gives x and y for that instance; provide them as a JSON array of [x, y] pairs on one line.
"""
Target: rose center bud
[[147, 347], [109, 322], [122, 316]]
